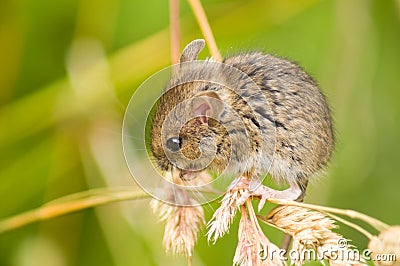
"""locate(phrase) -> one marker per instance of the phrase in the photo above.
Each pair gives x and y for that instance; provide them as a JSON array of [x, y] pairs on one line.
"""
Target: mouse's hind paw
[[294, 192]]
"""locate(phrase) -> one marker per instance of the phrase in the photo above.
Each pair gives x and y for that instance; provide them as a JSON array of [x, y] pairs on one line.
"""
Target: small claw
[[262, 203], [264, 193], [243, 199]]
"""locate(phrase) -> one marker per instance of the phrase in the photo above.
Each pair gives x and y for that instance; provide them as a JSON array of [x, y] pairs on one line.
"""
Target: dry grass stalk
[[205, 28], [386, 247], [182, 226], [312, 230], [174, 30]]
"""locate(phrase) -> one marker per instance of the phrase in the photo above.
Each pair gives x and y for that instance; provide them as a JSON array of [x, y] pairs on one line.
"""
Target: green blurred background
[[68, 69]]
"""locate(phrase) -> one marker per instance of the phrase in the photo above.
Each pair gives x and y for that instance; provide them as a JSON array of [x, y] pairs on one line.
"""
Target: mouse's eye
[[174, 144]]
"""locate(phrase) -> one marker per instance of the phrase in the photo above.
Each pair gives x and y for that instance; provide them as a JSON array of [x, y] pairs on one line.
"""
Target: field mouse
[[252, 114]]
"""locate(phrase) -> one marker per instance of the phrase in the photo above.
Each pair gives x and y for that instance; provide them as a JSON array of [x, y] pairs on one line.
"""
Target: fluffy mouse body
[[257, 114]]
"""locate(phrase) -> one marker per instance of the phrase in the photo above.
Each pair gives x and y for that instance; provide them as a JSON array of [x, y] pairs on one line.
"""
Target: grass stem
[[205, 28], [71, 203], [174, 30]]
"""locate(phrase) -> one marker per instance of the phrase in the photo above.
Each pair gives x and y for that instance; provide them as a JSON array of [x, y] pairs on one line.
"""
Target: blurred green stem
[[72, 203], [23, 117]]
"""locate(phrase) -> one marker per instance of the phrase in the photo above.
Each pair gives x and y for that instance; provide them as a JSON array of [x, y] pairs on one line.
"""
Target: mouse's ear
[[192, 50], [206, 105]]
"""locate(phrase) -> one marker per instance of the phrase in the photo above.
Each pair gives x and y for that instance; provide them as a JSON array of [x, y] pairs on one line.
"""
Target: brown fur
[[276, 117]]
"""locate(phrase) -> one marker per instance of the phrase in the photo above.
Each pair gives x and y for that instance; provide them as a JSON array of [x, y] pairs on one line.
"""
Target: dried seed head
[[254, 248], [224, 215], [181, 228], [313, 230], [386, 247]]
